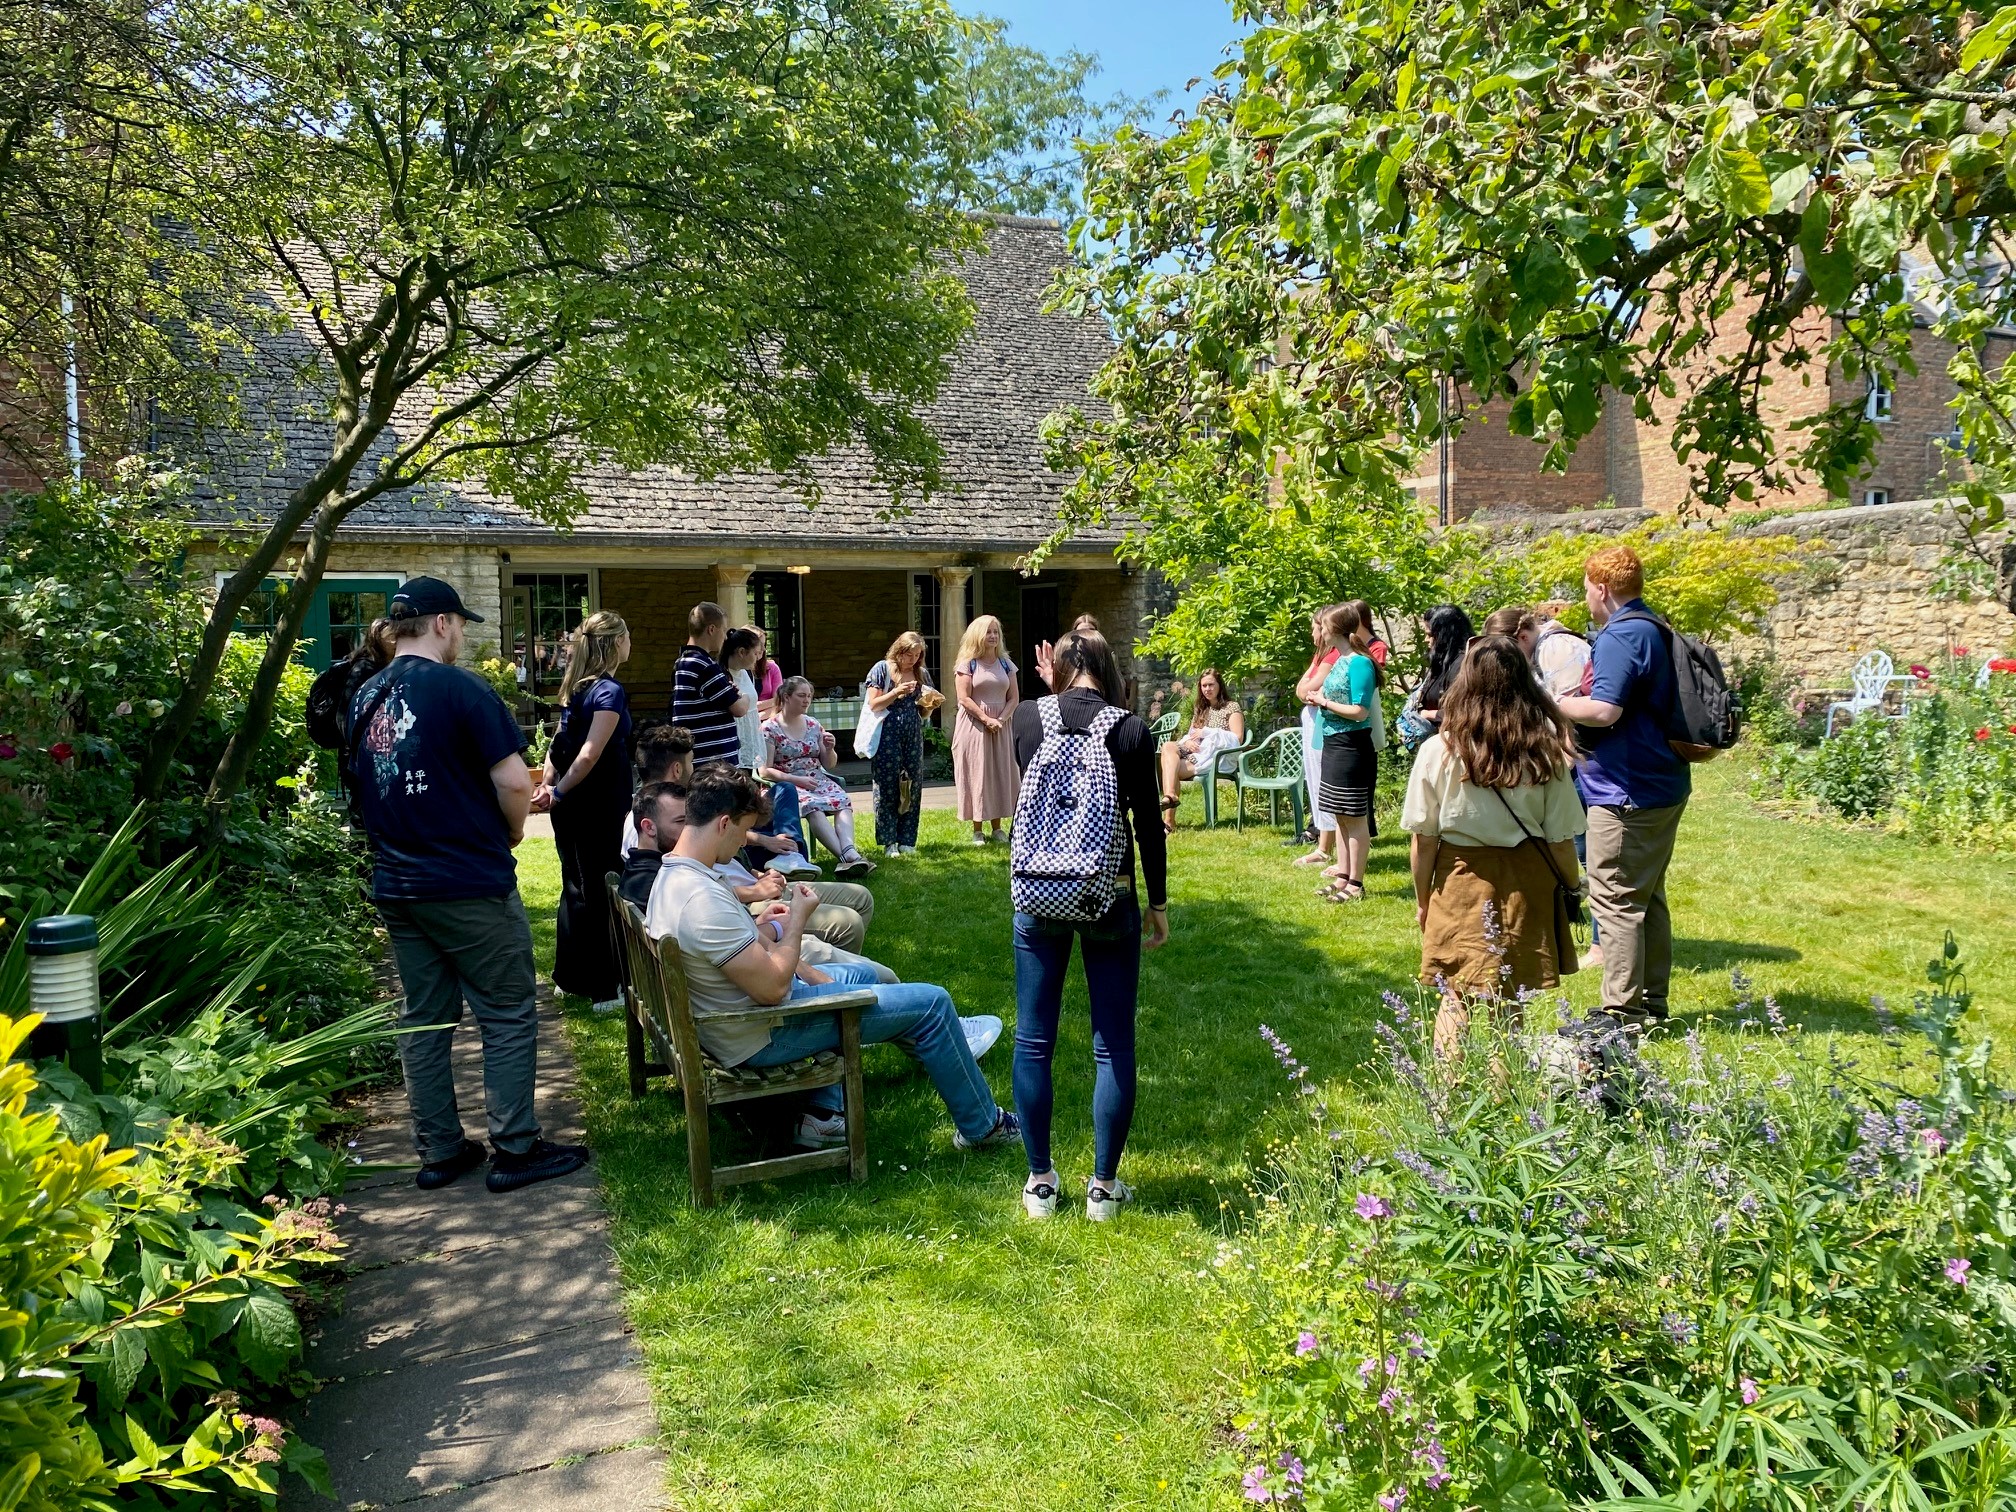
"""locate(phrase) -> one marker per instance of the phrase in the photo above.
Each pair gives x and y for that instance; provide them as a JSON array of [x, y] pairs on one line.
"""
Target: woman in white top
[[740, 652], [1492, 808]]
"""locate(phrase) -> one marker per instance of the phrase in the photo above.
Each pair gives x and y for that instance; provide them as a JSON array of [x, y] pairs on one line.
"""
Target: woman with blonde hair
[[1217, 723], [983, 750], [586, 788], [899, 687], [1491, 805]]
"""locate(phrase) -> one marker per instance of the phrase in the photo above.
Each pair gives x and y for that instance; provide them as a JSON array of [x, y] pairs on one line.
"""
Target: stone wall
[[850, 619], [1877, 584], [654, 602]]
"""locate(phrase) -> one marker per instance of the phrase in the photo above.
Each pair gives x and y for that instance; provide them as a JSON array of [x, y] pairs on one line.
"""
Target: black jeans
[[1112, 952]]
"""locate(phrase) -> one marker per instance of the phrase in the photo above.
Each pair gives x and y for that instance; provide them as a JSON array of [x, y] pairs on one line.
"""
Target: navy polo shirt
[[1630, 765]]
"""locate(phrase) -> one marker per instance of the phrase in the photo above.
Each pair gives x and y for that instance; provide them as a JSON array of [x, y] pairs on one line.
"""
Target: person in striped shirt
[[704, 697]]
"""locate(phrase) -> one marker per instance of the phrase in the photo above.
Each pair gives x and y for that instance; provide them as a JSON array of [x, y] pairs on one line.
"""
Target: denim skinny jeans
[[1111, 947], [915, 1015]]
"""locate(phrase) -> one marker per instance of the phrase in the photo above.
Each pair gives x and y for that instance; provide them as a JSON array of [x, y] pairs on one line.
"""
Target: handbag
[[1567, 899], [1414, 730]]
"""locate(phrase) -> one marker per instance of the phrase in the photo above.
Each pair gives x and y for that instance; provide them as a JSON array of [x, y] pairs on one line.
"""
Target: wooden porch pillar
[[951, 630], [731, 591]]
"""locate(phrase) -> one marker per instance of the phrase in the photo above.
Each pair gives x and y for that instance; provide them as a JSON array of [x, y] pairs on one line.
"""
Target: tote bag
[[868, 728]]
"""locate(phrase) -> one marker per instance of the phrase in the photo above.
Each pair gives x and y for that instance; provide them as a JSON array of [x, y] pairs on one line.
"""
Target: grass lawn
[[914, 1343]]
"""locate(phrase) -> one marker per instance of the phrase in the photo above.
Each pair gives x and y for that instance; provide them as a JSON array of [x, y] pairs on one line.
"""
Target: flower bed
[[1762, 1278]]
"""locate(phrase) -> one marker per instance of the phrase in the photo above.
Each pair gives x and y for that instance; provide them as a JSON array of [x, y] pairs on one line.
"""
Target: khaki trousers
[[1629, 851]]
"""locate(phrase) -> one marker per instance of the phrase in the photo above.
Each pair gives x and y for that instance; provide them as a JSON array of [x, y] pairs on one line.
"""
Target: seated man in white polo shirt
[[732, 965]]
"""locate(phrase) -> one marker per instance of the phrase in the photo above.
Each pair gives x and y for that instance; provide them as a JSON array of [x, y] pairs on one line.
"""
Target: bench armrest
[[827, 1002]]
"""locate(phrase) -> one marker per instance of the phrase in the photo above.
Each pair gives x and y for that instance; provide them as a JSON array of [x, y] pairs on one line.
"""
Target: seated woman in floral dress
[[799, 752]]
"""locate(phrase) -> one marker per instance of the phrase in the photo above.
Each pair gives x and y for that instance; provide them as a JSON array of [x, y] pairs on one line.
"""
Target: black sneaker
[[542, 1162], [437, 1174]]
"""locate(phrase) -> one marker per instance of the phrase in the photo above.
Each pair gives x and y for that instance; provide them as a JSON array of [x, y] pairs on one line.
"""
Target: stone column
[[731, 591], [951, 630]]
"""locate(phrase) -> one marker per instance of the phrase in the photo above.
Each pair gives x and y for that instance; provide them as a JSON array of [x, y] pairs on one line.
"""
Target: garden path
[[481, 1360]]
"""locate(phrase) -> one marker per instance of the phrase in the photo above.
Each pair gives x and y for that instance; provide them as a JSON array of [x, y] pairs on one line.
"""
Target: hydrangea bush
[[1553, 1274]]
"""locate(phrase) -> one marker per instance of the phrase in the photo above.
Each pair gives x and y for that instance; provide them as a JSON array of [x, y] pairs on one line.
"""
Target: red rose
[[1982, 733], [1921, 673], [61, 751]]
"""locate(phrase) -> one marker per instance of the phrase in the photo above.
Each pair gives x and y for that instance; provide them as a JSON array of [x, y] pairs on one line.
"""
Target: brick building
[[1630, 462], [832, 584]]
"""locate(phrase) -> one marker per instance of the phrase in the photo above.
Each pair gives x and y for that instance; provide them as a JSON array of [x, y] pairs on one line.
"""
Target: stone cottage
[[833, 585]]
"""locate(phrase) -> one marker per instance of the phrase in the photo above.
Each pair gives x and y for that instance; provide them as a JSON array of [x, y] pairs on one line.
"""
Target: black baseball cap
[[424, 597]]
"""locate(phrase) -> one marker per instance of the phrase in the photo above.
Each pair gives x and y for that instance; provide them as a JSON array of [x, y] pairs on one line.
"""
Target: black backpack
[[327, 717], [1702, 723]]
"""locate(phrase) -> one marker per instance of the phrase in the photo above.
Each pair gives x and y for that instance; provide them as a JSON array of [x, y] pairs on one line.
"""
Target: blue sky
[[1143, 45]]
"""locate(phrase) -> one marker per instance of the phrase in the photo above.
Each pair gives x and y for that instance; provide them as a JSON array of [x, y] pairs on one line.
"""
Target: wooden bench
[[661, 1040]]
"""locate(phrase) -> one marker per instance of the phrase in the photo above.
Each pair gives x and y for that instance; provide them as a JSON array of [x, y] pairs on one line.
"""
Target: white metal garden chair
[[1872, 677]]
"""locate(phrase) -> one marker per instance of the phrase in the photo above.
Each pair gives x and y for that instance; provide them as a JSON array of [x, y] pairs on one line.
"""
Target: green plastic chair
[[1224, 769], [1273, 767], [1164, 727]]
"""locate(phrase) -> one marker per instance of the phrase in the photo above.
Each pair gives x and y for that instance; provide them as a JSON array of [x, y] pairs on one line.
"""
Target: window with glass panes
[[338, 615], [555, 603]]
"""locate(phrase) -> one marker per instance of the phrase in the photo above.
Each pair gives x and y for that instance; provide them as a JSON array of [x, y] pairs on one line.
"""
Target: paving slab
[[628, 1480], [466, 1215], [468, 1299], [437, 1424]]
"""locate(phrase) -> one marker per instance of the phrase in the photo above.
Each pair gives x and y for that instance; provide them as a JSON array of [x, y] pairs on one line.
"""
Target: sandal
[[1346, 891], [1169, 807], [1314, 858]]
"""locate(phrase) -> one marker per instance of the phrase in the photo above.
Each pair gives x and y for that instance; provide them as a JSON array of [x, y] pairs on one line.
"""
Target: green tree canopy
[[1553, 203]]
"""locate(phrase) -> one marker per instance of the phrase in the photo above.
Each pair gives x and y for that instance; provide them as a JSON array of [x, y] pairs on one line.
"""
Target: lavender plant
[[1764, 1277]]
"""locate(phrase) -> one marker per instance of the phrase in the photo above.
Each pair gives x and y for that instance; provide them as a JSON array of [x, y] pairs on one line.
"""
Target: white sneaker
[[999, 837], [791, 863], [979, 839], [983, 1032], [1039, 1197], [821, 1133], [894, 850], [1103, 1198], [609, 1005]]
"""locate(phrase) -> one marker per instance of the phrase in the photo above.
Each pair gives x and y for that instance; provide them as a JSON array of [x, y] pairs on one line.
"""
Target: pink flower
[[1306, 1345], [1933, 1140], [1961, 651], [1254, 1486], [1750, 1392], [1370, 1207], [1921, 673], [1956, 1270]]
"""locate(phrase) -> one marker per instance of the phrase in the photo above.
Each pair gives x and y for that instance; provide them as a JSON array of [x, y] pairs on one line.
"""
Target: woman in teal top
[[1346, 707]]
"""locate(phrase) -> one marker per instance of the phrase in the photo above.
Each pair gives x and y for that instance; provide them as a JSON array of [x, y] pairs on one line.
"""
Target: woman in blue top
[[1346, 706], [586, 787]]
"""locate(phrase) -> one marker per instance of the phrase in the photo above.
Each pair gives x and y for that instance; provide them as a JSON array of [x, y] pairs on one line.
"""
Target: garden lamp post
[[63, 988]]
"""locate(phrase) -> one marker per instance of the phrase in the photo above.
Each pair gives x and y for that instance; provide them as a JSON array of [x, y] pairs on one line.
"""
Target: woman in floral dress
[[801, 753], [900, 688]]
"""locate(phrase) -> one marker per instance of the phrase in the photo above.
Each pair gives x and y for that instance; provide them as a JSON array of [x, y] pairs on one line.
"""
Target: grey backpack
[[1070, 843]]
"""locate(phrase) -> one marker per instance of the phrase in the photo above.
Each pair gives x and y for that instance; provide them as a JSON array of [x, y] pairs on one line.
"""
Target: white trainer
[[1039, 1196], [817, 1133], [1103, 1198], [983, 1032]]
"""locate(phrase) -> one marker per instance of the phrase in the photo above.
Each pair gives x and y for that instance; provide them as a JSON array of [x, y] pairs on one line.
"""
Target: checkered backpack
[[1070, 843]]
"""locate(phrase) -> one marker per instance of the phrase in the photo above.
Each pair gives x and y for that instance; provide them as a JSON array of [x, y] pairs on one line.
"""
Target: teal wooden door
[[338, 616]]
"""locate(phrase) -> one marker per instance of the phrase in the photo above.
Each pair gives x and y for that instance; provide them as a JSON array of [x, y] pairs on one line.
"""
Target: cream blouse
[[1439, 802]]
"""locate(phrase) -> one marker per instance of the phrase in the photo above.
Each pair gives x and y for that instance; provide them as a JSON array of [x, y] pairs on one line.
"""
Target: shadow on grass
[[1720, 955]]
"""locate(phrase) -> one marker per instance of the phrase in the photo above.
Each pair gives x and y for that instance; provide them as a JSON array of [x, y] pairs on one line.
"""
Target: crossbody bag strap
[[1546, 854]]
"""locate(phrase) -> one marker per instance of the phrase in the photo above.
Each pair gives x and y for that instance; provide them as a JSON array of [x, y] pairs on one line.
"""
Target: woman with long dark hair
[[586, 788], [1492, 808], [1446, 633], [1217, 724], [1088, 683], [1347, 711]]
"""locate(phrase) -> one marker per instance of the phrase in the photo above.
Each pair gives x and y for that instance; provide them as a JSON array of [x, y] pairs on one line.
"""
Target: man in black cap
[[443, 791]]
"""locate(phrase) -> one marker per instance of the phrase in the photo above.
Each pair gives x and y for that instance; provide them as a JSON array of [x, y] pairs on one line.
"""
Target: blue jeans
[[1112, 951], [915, 1015]]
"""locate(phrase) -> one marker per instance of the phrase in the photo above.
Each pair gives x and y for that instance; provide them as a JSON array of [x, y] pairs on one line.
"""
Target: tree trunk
[[258, 716]]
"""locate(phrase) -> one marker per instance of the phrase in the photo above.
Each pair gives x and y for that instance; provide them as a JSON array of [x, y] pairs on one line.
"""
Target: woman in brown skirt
[[1492, 808]]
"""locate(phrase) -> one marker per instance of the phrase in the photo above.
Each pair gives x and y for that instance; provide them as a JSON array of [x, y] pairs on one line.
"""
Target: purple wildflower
[[1371, 1208], [1388, 1400], [1254, 1485], [1933, 1140], [1391, 1500], [1306, 1345], [1680, 1330], [1956, 1270], [1750, 1392], [1366, 1368], [1436, 1458], [1291, 1467]]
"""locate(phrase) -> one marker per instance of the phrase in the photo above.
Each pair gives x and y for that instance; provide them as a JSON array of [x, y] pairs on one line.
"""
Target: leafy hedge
[[1766, 1279]]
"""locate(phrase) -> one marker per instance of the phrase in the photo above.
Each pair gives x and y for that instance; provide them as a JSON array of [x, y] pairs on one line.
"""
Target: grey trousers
[[478, 949], [1629, 851]]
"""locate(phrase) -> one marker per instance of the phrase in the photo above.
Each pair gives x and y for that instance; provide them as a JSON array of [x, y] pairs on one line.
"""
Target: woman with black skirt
[[1346, 708], [587, 791]]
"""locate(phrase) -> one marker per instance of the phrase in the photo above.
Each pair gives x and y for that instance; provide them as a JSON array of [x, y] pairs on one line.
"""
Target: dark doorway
[[1039, 623], [776, 605]]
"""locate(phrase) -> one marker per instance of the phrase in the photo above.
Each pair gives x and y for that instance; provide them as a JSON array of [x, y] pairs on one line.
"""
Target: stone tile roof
[[1016, 366]]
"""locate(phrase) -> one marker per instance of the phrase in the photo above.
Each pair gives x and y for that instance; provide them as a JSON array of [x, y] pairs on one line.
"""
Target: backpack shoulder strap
[[1053, 722], [1104, 721]]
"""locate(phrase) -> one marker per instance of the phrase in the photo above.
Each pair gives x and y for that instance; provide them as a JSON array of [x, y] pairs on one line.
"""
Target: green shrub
[[1768, 1280]]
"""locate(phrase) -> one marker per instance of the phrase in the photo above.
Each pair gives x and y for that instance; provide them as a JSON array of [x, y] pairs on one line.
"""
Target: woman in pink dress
[[983, 752]]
